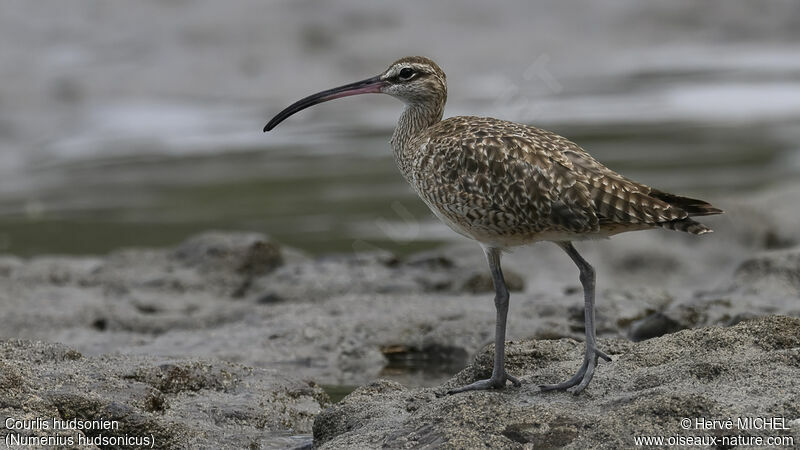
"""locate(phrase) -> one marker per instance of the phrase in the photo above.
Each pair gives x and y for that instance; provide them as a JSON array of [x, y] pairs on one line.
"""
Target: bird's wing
[[501, 181], [507, 176], [619, 199]]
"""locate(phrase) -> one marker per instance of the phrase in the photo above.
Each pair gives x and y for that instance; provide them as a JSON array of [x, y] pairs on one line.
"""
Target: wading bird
[[505, 184]]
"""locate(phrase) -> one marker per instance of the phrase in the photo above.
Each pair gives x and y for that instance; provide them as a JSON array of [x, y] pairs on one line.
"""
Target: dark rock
[[434, 260], [245, 253], [269, 298], [654, 325], [481, 281]]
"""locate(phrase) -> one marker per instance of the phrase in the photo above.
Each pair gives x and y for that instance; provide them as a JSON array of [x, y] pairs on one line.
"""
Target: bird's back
[[505, 183]]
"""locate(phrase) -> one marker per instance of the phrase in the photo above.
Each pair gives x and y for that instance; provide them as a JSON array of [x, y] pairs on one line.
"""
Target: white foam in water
[[149, 127], [709, 103], [717, 102], [142, 128]]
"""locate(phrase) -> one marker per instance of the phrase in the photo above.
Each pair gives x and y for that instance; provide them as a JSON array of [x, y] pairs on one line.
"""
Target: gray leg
[[581, 379], [499, 375]]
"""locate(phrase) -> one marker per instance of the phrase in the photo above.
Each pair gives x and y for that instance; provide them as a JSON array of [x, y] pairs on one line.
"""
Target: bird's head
[[414, 79]]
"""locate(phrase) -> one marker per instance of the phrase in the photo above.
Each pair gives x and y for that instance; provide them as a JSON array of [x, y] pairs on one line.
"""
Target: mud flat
[[746, 373], [52, 396]]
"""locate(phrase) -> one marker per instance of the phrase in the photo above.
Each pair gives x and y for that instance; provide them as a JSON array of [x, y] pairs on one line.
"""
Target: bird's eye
[[406, 73]]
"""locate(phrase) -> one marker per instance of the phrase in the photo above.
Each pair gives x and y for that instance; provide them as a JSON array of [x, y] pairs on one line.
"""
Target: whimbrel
[[505, 184]]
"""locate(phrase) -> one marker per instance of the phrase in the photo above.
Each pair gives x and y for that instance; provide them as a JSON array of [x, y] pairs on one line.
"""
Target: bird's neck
[[415, 119]]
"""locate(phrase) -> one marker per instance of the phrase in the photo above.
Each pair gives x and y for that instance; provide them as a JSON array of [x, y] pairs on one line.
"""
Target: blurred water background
[[139, 123]]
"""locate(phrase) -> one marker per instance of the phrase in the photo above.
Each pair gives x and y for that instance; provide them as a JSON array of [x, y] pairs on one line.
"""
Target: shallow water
[[350, 198], [141, 132]]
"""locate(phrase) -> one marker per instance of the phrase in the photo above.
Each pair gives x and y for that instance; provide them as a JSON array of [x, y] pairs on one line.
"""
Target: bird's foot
[[583, 377], [491, 383]]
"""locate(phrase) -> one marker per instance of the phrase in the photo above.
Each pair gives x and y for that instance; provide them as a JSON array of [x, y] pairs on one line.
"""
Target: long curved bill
[[369, 86]]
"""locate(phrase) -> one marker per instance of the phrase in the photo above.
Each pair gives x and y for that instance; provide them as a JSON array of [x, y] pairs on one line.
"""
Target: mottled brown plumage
[[506, 184]]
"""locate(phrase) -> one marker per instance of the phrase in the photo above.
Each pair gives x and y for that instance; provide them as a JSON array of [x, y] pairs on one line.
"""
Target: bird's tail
[[686, 225], [692, 206]]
